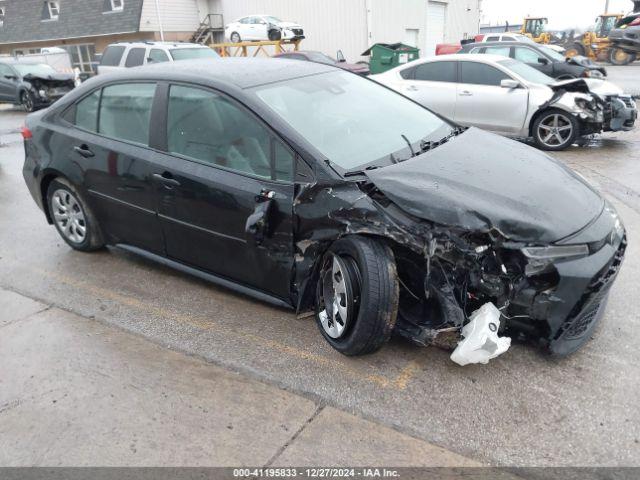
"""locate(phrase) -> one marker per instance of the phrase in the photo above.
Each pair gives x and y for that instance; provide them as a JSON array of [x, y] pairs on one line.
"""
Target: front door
[[222, 167], [483, 103], [109, 145]]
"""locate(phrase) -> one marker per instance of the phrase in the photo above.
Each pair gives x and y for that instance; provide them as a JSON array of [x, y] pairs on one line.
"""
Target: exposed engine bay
[[47, 89]]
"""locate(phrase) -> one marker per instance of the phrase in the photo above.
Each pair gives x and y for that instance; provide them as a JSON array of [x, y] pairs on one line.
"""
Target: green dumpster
[[385, 56]]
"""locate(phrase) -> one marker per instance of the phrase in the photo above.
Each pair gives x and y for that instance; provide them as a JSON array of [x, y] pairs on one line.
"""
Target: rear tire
[[617, 56], [72, 217], [555, 130], [357, 295]]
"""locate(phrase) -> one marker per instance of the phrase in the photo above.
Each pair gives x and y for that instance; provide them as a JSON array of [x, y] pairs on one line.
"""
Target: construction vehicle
[[595, 44], [534, 28]]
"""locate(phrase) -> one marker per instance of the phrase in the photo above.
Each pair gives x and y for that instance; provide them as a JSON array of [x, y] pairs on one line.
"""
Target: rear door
[[110, 146], [433, 84], [221, 167], [8, 86], [482, 102]]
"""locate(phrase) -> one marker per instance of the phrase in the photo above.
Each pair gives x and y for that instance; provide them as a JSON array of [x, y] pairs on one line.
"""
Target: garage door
[[436, 16]]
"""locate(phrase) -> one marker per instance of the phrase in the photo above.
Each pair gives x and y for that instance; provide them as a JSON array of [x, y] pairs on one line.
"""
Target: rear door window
[[475, 73], [125, 112], [135, 57], [112, 55], [436, 72]]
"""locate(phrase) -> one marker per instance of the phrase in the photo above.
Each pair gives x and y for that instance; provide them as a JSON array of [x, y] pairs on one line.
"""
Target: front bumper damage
[[620, 113]]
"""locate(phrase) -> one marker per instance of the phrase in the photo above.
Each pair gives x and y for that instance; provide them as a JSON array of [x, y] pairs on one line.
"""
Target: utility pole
[[606, 6], [160, 21]]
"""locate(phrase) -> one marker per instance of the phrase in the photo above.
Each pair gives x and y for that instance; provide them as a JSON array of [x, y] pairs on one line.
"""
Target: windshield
[[352, 121], [41, 69], [558, 57], [320, 58], [191, 53], [528, 73]]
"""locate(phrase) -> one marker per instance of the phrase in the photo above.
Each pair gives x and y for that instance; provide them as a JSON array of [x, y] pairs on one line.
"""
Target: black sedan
[[542, 58], [319, 190], [32, 85]]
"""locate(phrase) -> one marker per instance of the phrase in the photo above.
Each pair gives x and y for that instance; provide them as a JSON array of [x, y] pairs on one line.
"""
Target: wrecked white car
[[511, 98]]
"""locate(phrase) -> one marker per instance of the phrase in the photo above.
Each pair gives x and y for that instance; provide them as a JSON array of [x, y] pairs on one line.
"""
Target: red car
[[319, 57]]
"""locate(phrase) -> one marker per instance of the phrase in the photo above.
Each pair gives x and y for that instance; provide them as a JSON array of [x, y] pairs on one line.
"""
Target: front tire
[[27, 102], [235, 37], [555, 130], [617, 56], [72, 217], [357, 295]]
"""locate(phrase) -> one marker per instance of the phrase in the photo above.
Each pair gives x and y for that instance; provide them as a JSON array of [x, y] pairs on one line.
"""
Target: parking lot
[[521, 409]]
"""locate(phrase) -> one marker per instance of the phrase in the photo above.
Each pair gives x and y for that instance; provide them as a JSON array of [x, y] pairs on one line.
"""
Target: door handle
[[466, 93], [84, 151], [166, 179]]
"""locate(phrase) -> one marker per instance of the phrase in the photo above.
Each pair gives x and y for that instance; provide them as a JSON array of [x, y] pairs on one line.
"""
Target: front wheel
[[235, 37], [27, 102], [357, 295], [617, 56], [72, 217], [555, 130]]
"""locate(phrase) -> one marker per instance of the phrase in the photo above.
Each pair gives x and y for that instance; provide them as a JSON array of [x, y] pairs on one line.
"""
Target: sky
[[562, 14]]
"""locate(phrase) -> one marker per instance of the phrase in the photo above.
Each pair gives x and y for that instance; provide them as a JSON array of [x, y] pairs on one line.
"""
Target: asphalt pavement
[[522, 409]]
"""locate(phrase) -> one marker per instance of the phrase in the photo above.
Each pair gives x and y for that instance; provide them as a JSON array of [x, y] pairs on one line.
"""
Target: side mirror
[[543, 61], [340, 57], [510, 84]]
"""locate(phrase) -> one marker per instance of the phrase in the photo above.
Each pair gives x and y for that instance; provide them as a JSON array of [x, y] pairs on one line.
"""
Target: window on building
[[1, 16], [481, 74], [207, 127], [82, 56], [125, 111], [51, 11], [113, 6]]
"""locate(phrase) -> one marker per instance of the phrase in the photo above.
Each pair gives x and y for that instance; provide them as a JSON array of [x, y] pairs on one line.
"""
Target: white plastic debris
[[481, 342]]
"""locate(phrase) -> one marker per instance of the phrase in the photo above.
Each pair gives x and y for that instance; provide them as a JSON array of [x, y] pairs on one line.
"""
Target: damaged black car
[[32, 85], [319, 190]]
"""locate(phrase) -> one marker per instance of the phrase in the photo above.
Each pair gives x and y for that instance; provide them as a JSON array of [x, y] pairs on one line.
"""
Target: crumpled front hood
[[55, 77], [588, 85], [480, 181]]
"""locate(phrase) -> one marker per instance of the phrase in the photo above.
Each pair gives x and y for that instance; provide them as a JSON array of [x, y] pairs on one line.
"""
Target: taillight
[[26, 133]]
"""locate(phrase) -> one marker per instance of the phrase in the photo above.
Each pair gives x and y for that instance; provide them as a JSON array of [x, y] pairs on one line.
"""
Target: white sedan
[[509, 97], [262, 28]]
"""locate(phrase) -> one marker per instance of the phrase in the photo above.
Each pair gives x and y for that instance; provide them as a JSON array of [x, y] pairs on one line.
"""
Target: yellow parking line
[[207, 324]]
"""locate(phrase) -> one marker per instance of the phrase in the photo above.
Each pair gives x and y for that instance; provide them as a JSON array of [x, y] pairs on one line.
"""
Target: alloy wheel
[[235, 38], [69, 216], [555, 130], [337, 298], [27, 102]]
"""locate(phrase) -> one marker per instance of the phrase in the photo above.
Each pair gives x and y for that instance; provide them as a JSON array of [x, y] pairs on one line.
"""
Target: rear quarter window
[[112, 55], [437, 72], [86, 112]]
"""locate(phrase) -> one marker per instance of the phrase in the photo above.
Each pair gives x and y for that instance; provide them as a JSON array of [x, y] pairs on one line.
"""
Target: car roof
[[239, 72]]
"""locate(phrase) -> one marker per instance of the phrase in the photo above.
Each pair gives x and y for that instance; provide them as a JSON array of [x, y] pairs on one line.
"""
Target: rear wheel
[[235, 37], [72, 217], [617, 56], [357, 295], [575, 49], [555, 129], [27, 102]]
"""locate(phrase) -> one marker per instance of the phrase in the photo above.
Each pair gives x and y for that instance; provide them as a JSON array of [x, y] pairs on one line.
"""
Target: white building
[[332, 25]]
